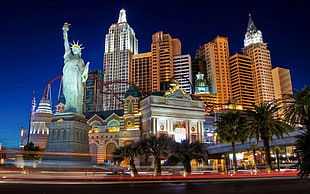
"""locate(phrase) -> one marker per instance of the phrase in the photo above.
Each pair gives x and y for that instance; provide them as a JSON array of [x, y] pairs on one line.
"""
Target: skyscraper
[[141, 71], [92, 93], [215, 55], [152, 71], [282, 82], [242, 84], [120, 45], [256, 49], [164, 48], [183, 72]]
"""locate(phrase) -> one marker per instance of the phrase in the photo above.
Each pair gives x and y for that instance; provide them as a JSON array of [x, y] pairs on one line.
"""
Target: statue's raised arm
[[65, 30]]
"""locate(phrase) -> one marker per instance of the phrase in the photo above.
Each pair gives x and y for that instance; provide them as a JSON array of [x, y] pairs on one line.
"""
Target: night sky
[[31, 44]]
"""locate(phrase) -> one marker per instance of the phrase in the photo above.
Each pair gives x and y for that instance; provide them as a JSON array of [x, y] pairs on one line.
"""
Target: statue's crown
[[76, 44]]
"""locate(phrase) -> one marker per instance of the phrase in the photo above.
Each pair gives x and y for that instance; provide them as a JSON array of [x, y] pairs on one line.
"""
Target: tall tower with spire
[[252, 35], [256, 49], [120, 44]]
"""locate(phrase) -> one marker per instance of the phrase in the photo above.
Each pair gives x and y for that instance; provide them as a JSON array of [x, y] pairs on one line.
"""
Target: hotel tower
[[256, 49], [120, 45], [164, 48], [215, 56], [241, 78]]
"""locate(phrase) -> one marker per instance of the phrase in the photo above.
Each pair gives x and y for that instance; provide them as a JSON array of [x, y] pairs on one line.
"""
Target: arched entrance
[[109, 150], [93, 149]]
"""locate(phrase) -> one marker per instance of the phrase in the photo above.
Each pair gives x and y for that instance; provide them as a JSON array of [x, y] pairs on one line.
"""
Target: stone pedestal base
[[67, 139]]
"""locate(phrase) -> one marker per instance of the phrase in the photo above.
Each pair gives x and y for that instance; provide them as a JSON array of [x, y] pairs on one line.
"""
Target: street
[[254, 185]]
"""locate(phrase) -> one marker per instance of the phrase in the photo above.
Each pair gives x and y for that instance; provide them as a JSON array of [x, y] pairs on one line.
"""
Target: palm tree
[[231, 128], [185, 152], [253, 148], [303, 154], [277, 150], [297, 109], [128, 152], [159, 147], [263, 124]]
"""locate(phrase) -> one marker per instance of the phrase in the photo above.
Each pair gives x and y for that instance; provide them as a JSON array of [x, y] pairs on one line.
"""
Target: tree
[[253, 148], [277, 150], [185, 152], [231, 128], [263, 124], [128, 152], [158, 147], [32, 152], [297, 111], [297, 107], [303, 154]]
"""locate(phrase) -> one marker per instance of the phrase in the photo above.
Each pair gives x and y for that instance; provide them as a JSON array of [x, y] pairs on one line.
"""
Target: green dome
[[133, 91]]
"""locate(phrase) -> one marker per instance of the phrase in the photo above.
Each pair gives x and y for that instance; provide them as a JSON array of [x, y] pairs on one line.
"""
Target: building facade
[[183, 72], [163, 49], [38, 132], [242, 84], [256, 49], [215, 55], [141, 71], [173, 113], [93, 95], [282, 82], [120, 44], [152, 71]]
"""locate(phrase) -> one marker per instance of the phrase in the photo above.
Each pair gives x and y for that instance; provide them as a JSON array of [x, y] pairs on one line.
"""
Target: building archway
[[93, 149], [109, 151]]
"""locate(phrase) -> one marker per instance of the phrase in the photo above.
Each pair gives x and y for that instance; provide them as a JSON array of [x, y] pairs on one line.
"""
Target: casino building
[[173, 113]]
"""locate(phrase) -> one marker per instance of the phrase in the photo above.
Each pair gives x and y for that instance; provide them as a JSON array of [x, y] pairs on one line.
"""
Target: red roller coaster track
[[102, 84], [106, 85]]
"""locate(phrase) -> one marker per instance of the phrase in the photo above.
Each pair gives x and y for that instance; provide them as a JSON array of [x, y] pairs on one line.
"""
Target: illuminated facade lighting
[[242, 83], [215, 55], [164, 48], [257, 50], [183, 71], [282, 82], [120, 45]]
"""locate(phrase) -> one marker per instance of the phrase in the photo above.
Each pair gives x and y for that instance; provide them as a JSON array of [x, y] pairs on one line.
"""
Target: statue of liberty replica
[[68, 131], [75, 73]]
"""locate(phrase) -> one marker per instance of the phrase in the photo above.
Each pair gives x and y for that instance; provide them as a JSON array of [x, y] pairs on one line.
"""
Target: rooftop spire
[[122, 16], [252, 35], [251, 26]]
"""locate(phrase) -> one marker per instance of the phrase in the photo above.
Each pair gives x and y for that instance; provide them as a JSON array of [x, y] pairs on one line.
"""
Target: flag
[[33, 104]]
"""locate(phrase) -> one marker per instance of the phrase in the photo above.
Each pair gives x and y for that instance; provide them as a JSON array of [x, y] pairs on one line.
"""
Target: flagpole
[[31, 112]]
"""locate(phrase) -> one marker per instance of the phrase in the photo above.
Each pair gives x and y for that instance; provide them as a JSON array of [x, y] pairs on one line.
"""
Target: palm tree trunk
[[254, 157], [227, 163], [233, 147], [157, 167], [187, 168], [267, 154], [133, 169], [278, 160]]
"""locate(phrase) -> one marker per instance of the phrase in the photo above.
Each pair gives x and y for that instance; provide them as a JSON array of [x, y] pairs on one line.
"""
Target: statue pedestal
[[68, 139]]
